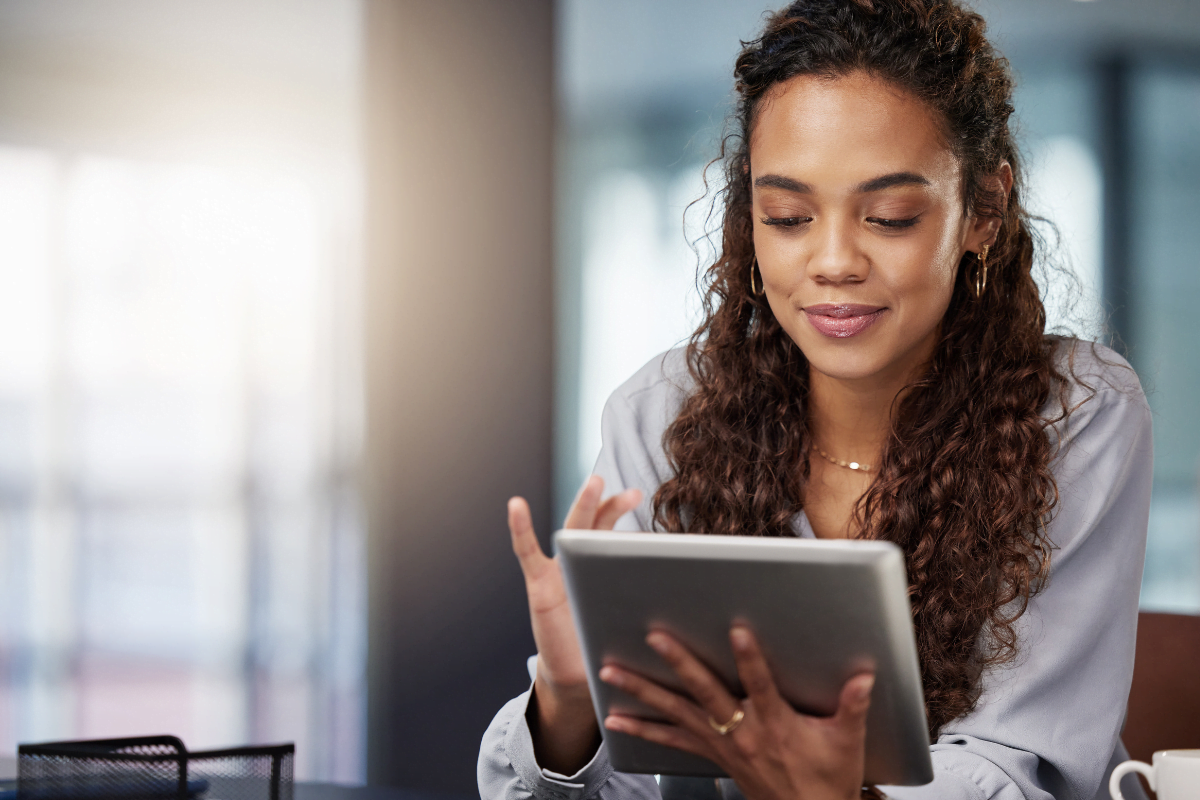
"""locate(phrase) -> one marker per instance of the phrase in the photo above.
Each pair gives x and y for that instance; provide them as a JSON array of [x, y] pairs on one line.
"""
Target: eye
[[893, 223], [786, 222]]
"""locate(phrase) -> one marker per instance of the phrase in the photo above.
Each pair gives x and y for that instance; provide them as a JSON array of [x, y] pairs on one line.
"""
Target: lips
[[842, 320]]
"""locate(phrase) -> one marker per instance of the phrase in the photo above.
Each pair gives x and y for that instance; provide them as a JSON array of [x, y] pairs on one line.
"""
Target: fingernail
[[864, 689], [587, 485], [658, 642], [611, 676], [614, 723], [740, 638]]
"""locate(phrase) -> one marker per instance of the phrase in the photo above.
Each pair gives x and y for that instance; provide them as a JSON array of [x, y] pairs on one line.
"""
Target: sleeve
[[1048, 724], [507, 768], [632, 424]]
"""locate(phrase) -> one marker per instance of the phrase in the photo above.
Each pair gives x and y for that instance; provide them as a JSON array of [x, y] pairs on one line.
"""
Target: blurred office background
[[181, 539], [295, 293]]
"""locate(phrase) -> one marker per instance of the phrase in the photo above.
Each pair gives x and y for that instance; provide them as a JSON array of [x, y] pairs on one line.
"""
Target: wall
[[459, 327]]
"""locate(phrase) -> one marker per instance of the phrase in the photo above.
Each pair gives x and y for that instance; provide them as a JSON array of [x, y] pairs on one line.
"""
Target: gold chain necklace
[[854, 465]]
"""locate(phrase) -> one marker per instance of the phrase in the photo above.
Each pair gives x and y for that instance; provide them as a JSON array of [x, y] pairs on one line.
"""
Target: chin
[[874, 354], [843, 369]]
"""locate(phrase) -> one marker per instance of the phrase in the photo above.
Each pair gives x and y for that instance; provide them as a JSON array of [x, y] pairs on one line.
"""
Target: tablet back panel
[[823, 611]]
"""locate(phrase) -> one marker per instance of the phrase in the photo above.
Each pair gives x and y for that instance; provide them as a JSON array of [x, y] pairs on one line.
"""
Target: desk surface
[[333, 791], [315, 791]]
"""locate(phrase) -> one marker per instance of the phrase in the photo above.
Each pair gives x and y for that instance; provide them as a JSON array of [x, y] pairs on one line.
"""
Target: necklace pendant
[[854, 465]]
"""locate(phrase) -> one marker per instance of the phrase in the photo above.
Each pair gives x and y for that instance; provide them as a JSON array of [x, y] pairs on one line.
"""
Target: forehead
[[848, 129]]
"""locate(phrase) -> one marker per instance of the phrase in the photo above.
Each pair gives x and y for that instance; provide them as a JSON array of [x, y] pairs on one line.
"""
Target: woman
[[873, 364]]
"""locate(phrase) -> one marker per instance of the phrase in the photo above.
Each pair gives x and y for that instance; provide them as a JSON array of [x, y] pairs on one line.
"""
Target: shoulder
[[635, 418], [1094, 370], [1104, 452], [656, 391], [1098, 383]]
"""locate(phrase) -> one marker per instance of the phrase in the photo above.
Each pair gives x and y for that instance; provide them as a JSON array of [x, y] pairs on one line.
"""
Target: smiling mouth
[[842, 320]]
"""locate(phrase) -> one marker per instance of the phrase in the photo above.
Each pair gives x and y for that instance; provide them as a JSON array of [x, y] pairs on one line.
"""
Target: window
[[180, 541], [1164, 287]]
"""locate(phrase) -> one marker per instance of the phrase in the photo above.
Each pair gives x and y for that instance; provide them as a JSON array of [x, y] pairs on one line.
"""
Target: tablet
[[823, 611]]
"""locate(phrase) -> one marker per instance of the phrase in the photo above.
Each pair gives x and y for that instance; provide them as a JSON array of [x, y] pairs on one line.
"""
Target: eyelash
[[786, 222], [894, 223], [792, 222]]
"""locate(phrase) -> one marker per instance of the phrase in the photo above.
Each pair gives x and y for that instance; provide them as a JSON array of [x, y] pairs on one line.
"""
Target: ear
[[984, 230]]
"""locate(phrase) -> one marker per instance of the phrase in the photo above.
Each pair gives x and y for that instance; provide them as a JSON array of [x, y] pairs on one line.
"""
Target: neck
[[852, 418]]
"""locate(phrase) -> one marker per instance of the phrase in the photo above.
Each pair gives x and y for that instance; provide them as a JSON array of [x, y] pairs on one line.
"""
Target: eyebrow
[[888, 181], [780, 182], [873, 185]]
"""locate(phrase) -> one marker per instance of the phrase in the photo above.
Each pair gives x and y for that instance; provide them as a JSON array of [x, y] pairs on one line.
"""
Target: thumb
[[855, 700]]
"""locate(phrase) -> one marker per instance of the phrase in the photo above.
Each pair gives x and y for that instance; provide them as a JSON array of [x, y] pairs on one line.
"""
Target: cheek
[[783, 260], [928, 266]]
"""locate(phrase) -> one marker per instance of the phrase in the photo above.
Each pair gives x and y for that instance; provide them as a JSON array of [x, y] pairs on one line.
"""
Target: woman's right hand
[[564, 727]]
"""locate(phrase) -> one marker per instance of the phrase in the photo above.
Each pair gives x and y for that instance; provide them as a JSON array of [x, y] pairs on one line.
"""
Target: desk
[[333, 791], [301, 790], [315, 791]]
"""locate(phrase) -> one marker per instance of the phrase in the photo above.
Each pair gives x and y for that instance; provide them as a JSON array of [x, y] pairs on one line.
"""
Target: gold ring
[[728, 727]]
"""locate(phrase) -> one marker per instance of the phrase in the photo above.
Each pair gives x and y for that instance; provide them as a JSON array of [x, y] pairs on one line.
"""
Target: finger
[[583, 511], [616, 507], [755, 674], [524, 541], [854, 702], [659, 733], [675, 707], [707, 690]]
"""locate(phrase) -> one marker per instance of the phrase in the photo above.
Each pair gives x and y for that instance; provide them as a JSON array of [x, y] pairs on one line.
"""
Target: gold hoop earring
[[761, 289], [981, 275]]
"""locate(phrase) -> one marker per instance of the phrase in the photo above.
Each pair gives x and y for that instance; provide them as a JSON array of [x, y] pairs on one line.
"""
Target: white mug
[[1174, 776]]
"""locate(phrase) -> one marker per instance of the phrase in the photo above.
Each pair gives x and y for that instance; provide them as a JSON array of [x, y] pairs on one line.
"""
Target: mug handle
[[1114, 783]]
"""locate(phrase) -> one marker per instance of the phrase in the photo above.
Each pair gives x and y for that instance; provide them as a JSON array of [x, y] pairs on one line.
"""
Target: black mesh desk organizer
[[152, 768]]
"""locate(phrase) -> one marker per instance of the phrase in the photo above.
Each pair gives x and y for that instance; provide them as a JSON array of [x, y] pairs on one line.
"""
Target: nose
[[836, 257]]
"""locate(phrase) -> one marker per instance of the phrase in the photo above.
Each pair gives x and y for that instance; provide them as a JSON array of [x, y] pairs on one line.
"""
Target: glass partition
[[1165, 334]]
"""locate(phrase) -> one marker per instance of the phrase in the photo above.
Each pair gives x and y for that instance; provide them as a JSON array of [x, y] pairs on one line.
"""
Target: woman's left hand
[[774, 752]]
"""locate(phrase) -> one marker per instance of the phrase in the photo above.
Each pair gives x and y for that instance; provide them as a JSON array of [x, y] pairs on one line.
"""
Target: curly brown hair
[[964, 486]]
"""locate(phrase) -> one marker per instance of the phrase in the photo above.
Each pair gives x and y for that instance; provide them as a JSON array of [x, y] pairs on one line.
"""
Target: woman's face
[[858, 223]]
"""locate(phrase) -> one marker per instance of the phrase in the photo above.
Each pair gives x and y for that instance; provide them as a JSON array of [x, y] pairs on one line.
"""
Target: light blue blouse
[[1048, 724]]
